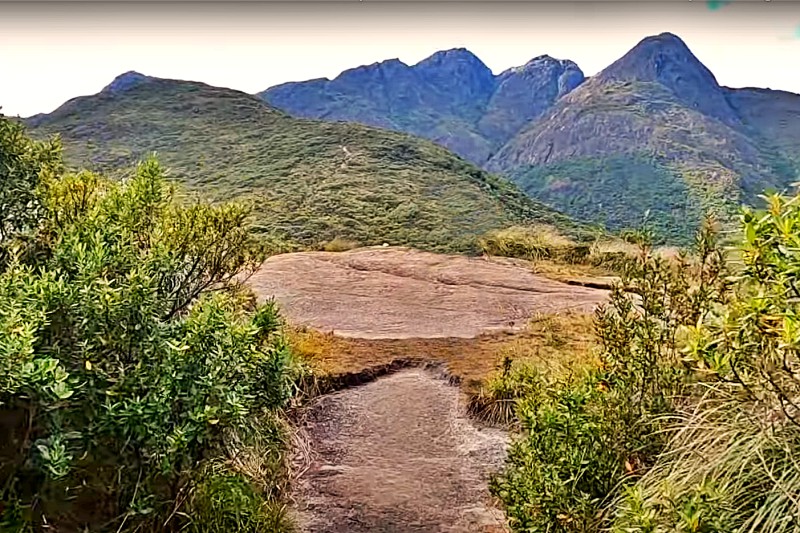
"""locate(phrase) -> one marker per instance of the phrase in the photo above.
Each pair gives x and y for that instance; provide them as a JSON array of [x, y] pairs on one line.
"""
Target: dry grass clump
[[533, 243], [551, 251], [339, 244], [553, 345]]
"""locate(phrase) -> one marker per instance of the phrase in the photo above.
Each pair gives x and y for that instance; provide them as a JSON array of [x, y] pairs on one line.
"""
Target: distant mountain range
[[309, 181], [451, 98], [653, 132]]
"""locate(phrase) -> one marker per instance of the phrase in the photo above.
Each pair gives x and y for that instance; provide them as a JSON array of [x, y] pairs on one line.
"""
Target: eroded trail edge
[[397, 454]]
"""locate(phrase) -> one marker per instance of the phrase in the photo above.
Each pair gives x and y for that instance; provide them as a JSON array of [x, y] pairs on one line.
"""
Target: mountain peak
[[125, 81], [452, 55], [543, 61], [663, 58], [666, 37], [667, 60], [459, 75]]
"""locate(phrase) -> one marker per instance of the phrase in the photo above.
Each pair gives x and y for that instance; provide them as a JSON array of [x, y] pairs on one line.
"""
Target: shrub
[[128, 351], [22, 162], [740, 440], [568, 461], [586, 438]]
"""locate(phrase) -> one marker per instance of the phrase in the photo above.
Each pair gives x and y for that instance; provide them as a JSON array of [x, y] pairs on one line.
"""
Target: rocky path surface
[[397, 455], [397, 293]]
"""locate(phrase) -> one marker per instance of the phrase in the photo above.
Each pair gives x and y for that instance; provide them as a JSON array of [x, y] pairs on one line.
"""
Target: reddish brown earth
[[396, 293], [399, 454]]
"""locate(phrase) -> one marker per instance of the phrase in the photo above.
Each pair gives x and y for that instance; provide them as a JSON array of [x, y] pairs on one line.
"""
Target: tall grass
[[731, 467]]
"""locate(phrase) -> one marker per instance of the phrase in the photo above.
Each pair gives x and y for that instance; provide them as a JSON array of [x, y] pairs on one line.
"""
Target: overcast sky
[[51, 52]]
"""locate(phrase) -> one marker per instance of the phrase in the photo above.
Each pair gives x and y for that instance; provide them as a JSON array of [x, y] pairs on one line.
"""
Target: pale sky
[[51, 52]]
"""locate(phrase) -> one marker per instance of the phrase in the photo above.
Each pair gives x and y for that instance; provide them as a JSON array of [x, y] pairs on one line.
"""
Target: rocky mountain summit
[[653, 132], [451, 97]]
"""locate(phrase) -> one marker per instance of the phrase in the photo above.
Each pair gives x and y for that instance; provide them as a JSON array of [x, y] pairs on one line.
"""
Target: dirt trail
[[397, 293], [397, 455]]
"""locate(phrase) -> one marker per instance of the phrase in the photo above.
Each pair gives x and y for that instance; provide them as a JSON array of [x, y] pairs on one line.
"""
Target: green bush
[[586, 438], [22, 162], [694, 423], [732, 461], [127, 349], [568, 461]]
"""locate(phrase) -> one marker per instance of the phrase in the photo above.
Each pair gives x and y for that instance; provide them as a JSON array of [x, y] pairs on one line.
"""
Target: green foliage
[[128, 351], [307, 181], [694, 427], [741, 438], [567, 462], [617, 192], [227, 502], [587, 437], [22, 161]]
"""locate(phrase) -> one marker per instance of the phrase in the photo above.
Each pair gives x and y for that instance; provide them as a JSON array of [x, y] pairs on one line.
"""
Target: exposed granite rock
[[524, 93], [125, 81]]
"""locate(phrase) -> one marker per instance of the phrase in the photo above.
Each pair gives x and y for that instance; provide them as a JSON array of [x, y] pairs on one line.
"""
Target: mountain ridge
[[308, 181], [658, 107], [450, 97]]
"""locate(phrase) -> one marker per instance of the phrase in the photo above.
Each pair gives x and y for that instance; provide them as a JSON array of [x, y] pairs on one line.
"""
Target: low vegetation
[[556, 255], [338, 244], [307, 181], [140, 386], [551, 344], [606, 191], [687, 421]]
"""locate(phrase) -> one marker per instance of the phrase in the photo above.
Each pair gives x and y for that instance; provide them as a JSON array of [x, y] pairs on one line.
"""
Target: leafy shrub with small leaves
[[128, 347], [732, 460], [587, 437], [22, 162]]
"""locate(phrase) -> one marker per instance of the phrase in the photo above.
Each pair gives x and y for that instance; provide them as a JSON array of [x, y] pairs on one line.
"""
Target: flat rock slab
[[397, 455], [396, 293]]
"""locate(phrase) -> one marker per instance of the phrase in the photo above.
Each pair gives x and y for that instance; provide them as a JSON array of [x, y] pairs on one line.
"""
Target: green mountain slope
[[310, 181], [657, 113], [610, 191], [653, 132]]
